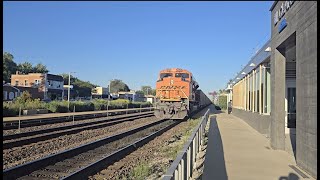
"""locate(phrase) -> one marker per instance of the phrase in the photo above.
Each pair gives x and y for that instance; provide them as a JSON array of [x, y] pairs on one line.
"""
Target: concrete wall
[[261, 123], [301, 19]]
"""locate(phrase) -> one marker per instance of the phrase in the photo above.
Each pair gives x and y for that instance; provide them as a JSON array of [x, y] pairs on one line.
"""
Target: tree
[[9, 66], [40, 68], [146, 89], [140, 93], [117, 85], [81, 88], [25, 68]]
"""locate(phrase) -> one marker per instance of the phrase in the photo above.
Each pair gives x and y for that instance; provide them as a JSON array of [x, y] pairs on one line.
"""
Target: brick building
[[49, 86]]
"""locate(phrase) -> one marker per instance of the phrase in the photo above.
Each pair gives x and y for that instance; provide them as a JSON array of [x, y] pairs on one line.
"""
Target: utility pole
[[69, 89], [110, 89]]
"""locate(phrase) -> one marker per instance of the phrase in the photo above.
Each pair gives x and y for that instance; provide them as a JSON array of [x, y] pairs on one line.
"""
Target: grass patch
[[141, 171], [172, 150]]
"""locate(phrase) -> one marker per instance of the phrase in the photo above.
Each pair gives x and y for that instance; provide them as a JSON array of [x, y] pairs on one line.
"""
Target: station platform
[[237, 151]]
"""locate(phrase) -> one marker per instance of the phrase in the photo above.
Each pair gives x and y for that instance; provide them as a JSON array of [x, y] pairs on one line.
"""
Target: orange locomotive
[[177, 95]]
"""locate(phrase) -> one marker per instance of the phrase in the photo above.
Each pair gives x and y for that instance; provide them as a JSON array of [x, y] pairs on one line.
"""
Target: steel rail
[[66, 131], [28, 168], [47, 130], [102, 163]]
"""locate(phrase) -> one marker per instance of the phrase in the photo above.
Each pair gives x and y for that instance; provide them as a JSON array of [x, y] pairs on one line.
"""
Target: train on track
[[177, 94]]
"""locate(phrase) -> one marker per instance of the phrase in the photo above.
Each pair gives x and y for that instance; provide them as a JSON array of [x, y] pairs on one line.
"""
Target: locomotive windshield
[[163, 75], [183, 75]]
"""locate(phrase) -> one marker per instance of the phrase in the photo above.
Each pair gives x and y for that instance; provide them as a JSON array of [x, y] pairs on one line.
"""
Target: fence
[[182, 166]]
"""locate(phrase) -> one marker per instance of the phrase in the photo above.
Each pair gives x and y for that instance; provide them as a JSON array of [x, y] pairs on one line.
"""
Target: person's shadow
[[291, 176]]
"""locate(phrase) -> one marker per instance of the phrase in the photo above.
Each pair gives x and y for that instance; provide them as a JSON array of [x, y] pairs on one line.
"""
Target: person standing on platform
[[229, 106]]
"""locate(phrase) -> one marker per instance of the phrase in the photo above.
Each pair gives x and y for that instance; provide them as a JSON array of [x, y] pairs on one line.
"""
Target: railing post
[[140, 107], [188, 162], [127, 109], [108, 109], [176, 175], [19, 119], [74, 110]]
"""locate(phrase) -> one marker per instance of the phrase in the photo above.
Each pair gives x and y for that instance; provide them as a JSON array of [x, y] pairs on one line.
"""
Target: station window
[[250, 92], [266, 95], [262, 88], [257, 85]]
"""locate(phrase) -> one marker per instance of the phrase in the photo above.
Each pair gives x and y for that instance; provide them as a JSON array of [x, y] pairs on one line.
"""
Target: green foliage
[[81, 106], [9, 66], [34, 104], [117, 85], [40, 68], [222, 102], [23, 98], [10, 109], [25, 68], [141, 171], [139, 92], [58, 106], [147, 90], [25, 102], [82, 88]]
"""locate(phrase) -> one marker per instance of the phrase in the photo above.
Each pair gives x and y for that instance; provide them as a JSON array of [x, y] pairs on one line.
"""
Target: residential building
[[50, 85], [10, 92], [100, 92]]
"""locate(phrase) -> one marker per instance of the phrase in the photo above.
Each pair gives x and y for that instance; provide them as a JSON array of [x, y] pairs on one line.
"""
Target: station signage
[[285, 6]]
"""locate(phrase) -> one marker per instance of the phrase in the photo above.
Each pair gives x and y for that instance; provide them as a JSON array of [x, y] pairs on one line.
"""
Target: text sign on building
[[283, 9]]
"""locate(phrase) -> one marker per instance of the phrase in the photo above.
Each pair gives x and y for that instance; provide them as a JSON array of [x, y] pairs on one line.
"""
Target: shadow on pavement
[[214, 164], [291, 176], [202, 112]]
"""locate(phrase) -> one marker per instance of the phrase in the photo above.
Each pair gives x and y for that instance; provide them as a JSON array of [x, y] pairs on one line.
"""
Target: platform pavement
[[236, 151]]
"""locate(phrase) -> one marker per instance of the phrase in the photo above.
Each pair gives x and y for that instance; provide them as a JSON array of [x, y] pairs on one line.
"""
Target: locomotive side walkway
[[236, 151]]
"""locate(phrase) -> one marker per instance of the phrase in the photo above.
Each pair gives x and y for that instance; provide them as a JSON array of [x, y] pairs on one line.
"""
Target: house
[[10, 92], [132, 96], [100, 92], [149, 98], [50, 86]]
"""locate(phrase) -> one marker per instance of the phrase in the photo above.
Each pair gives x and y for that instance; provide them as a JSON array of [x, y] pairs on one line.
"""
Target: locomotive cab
[[174, 92]]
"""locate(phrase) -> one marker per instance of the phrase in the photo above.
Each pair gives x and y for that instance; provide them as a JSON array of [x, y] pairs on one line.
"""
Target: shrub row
[[12, 108]]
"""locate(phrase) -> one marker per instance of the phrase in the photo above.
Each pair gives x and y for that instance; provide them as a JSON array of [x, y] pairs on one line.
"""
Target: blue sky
[[133, 41]]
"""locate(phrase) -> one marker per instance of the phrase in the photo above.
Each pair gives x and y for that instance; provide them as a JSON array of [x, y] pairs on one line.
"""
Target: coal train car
[[177, 94]]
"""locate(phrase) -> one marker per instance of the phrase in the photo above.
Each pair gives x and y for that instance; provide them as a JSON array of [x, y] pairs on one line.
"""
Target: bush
[[23, 98], [222, 102], [58, 106], [119, 104], [10, 109], [81, 106], [34, 104]]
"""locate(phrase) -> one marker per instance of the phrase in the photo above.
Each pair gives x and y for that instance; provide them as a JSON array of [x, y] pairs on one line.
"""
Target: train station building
[[276, 92]]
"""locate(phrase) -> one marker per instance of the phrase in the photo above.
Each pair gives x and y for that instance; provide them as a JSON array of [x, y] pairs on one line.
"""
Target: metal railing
[[182, 166]]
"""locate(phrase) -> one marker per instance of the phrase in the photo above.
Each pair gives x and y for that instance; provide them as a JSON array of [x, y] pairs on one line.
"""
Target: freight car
[[177, 94]]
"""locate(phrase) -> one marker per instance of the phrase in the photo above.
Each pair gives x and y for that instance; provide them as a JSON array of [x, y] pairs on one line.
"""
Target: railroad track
[[8, 125], [88, 159], [16, 140]]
